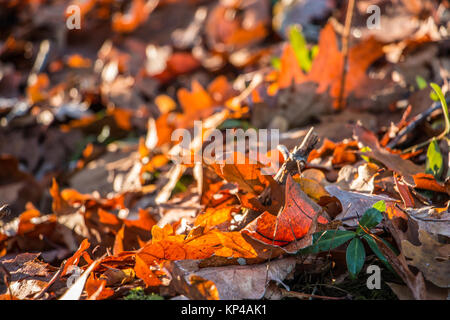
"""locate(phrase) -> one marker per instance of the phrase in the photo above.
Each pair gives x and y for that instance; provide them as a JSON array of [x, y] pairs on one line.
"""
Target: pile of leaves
[[94, 204]]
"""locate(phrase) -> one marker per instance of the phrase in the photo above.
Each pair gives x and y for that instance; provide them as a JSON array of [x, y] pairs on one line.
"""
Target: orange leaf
[[25, 224], [96, 288], [206, 288], [122, 117], [342, 153], [234, 245], [196, 102], [247, 176], [290, 71], [165, 103], [220, 90], [145, 221], [393, 212], [75, 259], [243, 37], [142, 269], [118, 241], [59, 205], [428, 182], [213, 217], [7, 296], [327, 68]]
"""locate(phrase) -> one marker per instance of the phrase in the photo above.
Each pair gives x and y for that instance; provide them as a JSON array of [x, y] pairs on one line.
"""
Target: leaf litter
[[94, 203]]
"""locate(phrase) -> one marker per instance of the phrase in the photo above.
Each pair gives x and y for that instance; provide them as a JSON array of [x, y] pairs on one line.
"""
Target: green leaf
[[374, 246], [371, 218], [434, 96], [328, 240], [300, 47], [421, 82], [380, 206], [438, 91], [355, 256], [435, 162]]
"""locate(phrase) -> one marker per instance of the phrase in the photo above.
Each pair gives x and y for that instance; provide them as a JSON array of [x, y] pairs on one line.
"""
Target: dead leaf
[[234, 282], [431, 257], [293, 226], [431, 220]]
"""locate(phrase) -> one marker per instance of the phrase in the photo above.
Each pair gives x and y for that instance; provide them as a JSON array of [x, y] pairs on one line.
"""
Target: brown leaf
[[415, 283], [354, 204], [234, 282], [28, 275], [394, 162], [431, 257]]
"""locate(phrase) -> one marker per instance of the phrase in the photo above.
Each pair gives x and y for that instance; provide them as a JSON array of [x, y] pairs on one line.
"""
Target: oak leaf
[[293, 226]]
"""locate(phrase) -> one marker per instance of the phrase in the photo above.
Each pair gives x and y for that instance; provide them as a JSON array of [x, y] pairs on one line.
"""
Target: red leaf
[[296, 221]]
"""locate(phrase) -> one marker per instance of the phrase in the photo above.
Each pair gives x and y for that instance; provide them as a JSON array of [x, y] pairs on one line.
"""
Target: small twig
[[301, 295], [418, 119], [345, 37], [297, 158], [334, 287]]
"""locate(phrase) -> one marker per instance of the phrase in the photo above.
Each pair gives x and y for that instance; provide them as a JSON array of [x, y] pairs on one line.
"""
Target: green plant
[[139, 294], [303, 54], [439, 93], [355, 254], [422, 84], [435, 161], [440, 96]]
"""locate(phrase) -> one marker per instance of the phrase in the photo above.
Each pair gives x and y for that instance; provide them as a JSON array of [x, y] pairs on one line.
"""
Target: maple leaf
[[326, 69]]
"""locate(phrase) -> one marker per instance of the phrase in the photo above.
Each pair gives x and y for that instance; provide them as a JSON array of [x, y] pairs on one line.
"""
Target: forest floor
[[234, 149]]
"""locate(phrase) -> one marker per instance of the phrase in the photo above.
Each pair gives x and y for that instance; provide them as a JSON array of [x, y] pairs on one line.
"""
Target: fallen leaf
[[354, 204], [431, 257], [235, 282], [431, 220], [394, 162], [293, 226]]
